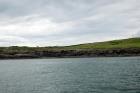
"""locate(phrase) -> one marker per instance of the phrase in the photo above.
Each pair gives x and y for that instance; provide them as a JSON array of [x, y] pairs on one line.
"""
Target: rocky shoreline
[[72, 53]]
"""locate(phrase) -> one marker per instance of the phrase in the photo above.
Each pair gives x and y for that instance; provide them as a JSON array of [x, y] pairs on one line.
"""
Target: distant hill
[[115, 48]]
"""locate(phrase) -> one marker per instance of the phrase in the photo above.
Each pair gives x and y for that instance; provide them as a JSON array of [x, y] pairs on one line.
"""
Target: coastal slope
[[115, 48]]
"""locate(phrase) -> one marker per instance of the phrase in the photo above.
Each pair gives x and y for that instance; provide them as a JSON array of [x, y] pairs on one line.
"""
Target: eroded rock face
[[72, 53]]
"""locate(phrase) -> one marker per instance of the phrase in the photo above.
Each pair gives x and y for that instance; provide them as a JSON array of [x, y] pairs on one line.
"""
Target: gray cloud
[[66, 22]]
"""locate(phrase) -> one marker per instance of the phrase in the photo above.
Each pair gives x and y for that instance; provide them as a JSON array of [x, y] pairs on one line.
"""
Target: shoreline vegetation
[[115, 48]]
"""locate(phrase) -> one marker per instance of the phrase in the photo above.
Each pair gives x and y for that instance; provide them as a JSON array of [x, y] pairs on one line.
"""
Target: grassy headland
[[124, 47]]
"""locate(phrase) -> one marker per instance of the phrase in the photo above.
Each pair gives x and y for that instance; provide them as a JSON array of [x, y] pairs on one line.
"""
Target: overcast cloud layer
[[66, 22]]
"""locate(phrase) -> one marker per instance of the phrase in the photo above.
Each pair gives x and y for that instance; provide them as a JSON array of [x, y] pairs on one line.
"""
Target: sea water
[[71, 75]]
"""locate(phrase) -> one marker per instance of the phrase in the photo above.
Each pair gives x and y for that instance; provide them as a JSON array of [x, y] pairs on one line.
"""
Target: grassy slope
[[124, 43]]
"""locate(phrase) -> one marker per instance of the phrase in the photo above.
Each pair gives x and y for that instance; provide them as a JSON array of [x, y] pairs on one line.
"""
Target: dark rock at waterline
[[73, 53]]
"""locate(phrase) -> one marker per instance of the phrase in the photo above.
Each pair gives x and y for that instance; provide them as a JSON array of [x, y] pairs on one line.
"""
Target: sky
[[67, 22]]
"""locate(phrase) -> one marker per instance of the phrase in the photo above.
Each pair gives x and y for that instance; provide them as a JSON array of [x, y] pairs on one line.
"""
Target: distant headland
[[115, 48]]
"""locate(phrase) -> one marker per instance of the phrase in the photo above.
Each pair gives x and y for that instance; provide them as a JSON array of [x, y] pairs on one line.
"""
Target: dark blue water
[[71, 75]]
